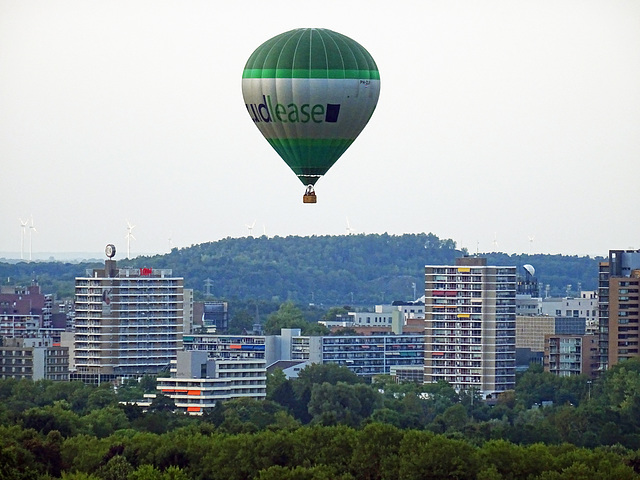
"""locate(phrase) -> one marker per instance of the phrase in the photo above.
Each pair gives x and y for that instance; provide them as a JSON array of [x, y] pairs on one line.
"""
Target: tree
[[101, 397], [241, 321], [335, 405], [117, 468], [287, 316], [275, 379]]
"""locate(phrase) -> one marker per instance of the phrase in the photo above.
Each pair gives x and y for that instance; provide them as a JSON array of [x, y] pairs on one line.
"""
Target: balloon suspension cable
[[309, 195]]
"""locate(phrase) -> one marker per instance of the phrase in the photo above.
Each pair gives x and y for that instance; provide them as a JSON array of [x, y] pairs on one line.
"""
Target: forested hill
[[329, 270]]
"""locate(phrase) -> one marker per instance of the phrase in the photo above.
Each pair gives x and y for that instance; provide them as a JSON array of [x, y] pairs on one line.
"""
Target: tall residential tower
[[470, 317], [129, 321]]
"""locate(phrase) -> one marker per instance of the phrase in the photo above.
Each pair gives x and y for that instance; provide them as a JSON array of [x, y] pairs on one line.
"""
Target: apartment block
[[33, 359], [568, 355], [129, 322], [199, 381], [470, 325], [22, 311]]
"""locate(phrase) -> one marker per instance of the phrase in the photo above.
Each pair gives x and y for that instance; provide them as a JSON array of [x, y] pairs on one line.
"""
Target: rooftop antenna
[[250, 227], [23, 225], [350, 230], [32, 230], [129, 236]]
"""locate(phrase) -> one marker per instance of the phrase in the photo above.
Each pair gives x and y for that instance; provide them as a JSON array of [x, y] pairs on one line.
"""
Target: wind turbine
[[23, 225], [129, 236], [250, 227], [350, 230], [531, 237], [32, 230], [495, 242]]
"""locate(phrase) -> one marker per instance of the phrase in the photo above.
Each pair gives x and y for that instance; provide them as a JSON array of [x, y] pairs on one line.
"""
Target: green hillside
[[359, 270]]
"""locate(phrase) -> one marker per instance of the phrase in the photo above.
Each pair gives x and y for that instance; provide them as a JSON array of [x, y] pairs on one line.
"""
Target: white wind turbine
[[495, 242], [32, 230], [350, 230], [129, 236], [250, 227], [531, 237], [23, 225]]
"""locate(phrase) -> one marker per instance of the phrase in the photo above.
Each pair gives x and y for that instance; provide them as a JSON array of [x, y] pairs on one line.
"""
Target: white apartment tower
[[470, 325], [129, 322]]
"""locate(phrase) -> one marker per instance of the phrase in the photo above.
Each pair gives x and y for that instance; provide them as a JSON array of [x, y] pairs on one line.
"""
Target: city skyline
[[501, 125]]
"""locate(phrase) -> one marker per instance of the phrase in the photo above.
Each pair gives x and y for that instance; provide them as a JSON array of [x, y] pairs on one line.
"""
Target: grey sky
[[497, 120]]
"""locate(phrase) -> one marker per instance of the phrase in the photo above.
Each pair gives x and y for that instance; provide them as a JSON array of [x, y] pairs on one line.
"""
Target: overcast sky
[[498, 122]]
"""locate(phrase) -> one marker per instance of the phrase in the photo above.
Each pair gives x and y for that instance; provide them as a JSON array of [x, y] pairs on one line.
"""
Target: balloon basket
[[310, 195]]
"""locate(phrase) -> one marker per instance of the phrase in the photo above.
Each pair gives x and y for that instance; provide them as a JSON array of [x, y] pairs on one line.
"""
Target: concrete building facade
[[470, 325], [33, 359], [199, 381], [129, 322], [569, 355]]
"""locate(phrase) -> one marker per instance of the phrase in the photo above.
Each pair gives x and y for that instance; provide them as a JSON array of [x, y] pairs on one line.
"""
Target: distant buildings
[[470, 321], [470, 329], [128, 322], [212, 316], [21, 311], [382, 315]]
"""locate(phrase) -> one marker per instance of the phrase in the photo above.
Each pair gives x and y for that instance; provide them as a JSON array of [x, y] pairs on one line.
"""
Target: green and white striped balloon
[[310, 92]]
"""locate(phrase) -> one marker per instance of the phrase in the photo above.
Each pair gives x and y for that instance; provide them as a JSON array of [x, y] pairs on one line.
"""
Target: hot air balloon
[[310, 92]]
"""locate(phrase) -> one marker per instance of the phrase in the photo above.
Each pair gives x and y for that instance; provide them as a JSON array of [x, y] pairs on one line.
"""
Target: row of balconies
[[456, 333], [457, 371], [457, 341], [456, 364], [16, 361], [24, 369], [457, 380]]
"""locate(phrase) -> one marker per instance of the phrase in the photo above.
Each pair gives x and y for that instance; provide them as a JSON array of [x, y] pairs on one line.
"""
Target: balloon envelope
[[310, 92]]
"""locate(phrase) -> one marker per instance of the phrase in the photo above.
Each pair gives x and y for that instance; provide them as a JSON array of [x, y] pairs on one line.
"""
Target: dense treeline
[[377, 451], [328, 423], [330, 270]]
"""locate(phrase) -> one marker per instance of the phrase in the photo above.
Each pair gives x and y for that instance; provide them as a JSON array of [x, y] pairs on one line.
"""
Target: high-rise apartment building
[[470, 325], [129, 322], [619, 307]]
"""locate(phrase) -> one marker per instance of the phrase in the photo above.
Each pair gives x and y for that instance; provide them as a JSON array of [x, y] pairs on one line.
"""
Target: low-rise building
[[567, 355], [199, 382]]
